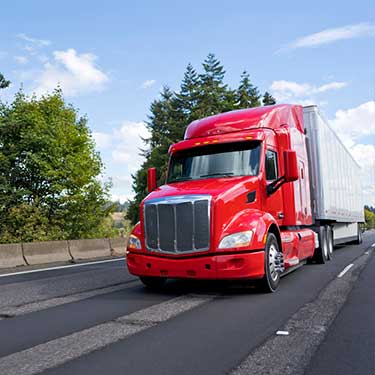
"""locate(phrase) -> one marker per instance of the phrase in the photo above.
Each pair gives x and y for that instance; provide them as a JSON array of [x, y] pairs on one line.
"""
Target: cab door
[[273, 202]]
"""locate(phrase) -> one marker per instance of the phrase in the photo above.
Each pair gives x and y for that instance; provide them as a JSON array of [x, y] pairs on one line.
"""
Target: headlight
[[240, 239], [134, 242]]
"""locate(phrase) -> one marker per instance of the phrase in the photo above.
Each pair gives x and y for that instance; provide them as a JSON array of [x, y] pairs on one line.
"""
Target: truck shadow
[[207, 287]]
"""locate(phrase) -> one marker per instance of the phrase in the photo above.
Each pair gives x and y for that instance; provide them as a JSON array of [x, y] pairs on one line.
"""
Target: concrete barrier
[[46, 252], [118, 246], [92, 248], [11, 255]]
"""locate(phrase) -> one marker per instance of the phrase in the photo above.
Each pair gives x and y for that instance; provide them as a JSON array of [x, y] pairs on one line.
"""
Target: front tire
[[271, 280], [154, 283]]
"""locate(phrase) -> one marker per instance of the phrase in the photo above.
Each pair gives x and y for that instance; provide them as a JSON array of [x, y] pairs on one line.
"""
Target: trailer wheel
[[358, 241], [321, 253], [153, 282], [329, 234], [270, 282]]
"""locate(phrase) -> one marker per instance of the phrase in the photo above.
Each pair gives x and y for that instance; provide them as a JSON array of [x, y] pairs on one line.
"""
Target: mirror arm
[[275, 185]]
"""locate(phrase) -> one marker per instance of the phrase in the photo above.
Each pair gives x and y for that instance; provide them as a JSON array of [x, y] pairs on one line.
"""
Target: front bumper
[[244, 265]]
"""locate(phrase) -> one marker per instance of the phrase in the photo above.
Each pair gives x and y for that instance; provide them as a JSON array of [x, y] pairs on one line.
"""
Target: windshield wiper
[[227, 174], [181, 179]]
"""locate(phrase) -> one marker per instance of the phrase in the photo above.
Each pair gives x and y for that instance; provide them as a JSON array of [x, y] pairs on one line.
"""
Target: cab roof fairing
[[239, 136], [272, 117]]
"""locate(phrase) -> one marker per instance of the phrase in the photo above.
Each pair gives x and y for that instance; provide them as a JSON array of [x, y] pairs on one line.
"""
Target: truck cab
[[236, 203]]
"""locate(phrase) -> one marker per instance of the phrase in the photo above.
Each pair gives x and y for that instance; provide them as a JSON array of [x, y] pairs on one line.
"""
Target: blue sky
[[111, 59]]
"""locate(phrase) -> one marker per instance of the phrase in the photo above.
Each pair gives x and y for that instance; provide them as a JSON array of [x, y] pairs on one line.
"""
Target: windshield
[[221, 160]]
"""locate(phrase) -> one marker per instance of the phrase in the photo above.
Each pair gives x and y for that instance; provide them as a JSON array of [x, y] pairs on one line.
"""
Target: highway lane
[[349, 347], [212, 337]]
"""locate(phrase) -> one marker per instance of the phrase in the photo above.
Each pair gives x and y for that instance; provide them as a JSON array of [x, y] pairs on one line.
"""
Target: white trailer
[[335, 178]]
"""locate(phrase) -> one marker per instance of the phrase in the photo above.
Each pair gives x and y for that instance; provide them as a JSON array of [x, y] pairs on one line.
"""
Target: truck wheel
[[321, 253], [358, 241], [329, 233], [153, 282], [270, 282]]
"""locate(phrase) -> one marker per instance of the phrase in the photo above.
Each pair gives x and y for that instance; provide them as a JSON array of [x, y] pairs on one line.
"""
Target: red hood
[[218, 188]]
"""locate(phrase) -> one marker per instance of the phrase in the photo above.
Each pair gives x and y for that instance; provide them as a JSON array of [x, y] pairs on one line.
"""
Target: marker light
[[134, 242], [240, 239]]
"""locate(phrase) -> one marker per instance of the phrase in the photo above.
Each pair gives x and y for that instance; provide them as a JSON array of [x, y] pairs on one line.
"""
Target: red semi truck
[[249, 194]]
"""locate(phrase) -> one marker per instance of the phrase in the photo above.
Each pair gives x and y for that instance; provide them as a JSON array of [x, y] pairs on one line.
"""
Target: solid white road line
[[62, 267], [57, 301], [345, 270]]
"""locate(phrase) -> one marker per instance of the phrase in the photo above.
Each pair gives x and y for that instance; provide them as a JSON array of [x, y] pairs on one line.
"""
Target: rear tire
[[271, 280], [359, 239], [329, 233], [153, 282], [321, 253]]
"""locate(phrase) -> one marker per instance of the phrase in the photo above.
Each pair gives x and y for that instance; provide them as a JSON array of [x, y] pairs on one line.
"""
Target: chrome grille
[[177, 224]]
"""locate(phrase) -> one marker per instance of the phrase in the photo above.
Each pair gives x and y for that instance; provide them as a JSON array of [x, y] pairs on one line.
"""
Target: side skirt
[[341, 241], [291, 269]]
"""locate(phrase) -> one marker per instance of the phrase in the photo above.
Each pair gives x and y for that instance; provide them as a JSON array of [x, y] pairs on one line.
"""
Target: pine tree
[[163, 124], [4, 83], [187, 98], [268, 99], [214, 96], [248, 95]]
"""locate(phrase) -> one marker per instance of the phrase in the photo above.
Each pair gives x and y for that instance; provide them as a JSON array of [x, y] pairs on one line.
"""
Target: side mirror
[[151, 179], [290, 166], [290, 172]]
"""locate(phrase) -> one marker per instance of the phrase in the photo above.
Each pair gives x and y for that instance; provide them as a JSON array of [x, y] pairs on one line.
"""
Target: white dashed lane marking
[[345, 270]]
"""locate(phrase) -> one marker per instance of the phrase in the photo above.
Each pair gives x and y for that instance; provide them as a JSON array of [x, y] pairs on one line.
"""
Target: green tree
[[165, 127], [369, 218], [268, 99], [214, 95], [248, 95], [188, 98], [48, 172], [4, 83]]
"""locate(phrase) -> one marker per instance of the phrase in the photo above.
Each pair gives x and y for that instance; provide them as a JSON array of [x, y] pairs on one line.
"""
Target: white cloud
[[301, 92], [126, 143], [21, 59], [129, 143], [354, 126], [354, 123], [122, 181], [331, 86], [75, 73], [122, 198], [34, 41], [332, 35], [148, 83], [102, 140]]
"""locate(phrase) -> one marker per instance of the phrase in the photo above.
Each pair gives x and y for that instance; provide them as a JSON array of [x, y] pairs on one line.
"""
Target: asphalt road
[[98, 319]]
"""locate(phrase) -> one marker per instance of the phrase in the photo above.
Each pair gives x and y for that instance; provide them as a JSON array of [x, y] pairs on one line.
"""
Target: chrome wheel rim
[[272, 254]]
